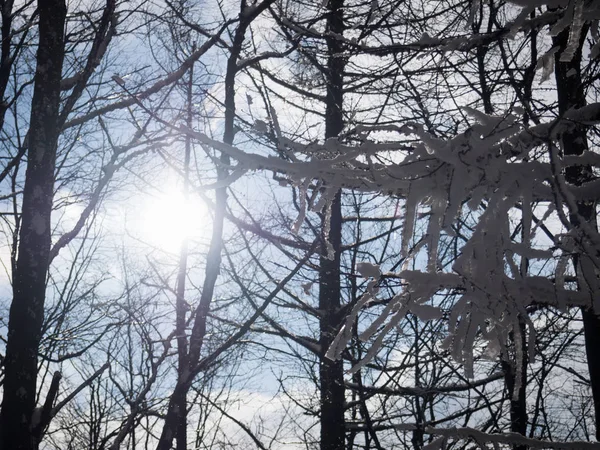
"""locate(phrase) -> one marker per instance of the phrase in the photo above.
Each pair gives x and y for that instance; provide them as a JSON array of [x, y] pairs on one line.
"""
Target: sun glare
[[169, 218]]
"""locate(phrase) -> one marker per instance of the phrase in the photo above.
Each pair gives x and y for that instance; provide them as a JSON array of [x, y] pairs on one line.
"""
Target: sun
[[168, 217]]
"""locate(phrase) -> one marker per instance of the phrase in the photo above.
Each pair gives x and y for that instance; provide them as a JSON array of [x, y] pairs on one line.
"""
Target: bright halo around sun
[[168, 218]]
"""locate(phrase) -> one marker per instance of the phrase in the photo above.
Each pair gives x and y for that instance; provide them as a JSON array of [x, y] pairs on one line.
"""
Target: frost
[[486, 164], [574, 32], [546, 63], [436, 444], [260, 126], [303, 188], [368, 270], [426, 312], [488, 168]]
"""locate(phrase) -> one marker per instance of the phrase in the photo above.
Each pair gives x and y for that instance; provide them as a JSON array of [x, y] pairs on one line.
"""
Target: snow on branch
[[482, 438], [488, 168], [487, 165]]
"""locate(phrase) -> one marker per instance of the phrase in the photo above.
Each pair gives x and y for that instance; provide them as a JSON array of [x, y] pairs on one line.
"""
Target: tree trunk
[[570, 94], [518, 400], [175, 413], [180, 302], [29, 279], [331, 373], [6, 55]]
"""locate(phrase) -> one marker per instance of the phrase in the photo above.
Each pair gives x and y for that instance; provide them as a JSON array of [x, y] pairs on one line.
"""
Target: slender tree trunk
[[518, 400], [570, 94], [332, 372], [29, 279], [180, 304], [213, 258]]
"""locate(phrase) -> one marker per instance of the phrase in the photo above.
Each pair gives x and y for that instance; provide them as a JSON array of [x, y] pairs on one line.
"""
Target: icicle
[[343, 337], [302, 191], [456, 195], [409, 222], [574, 33], [468, 343], [321, 203], [546, 62], [376, 346], [394, 305], [527, 214], [561, 268], [426, 312], [368, 270], [474, 7], [519, 360], [516, 25], [433, 234], [327, 229]]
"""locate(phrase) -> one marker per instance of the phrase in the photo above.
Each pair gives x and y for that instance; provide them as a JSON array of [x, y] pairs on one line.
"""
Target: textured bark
[[29, 278], [570, 92], [518, 402], [331, 373], [180, 303], [6, 56]]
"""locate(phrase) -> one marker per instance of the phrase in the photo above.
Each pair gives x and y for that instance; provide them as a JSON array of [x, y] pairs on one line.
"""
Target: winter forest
[[299, 224]]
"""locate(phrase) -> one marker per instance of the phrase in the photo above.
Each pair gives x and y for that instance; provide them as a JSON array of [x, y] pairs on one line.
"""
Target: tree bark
[[172, 425], [29, 279], [515, 380], [180, 302], [331, 373], [570, 92], [6, 56]]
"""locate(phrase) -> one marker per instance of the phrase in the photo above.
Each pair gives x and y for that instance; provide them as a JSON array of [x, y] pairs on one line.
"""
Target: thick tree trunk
[[332, 372], [6, 8], [29, 279], [570, 94]]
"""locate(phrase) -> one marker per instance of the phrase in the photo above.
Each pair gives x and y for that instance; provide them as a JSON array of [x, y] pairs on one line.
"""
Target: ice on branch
[[488, 169], [493, 168], [368, 270]]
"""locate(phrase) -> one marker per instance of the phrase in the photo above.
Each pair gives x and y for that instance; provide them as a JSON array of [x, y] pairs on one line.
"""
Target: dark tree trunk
[[29, 279], [174, 422], [6, 56], [517, 381], [569, 86], [331, 373], [180, 302]]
